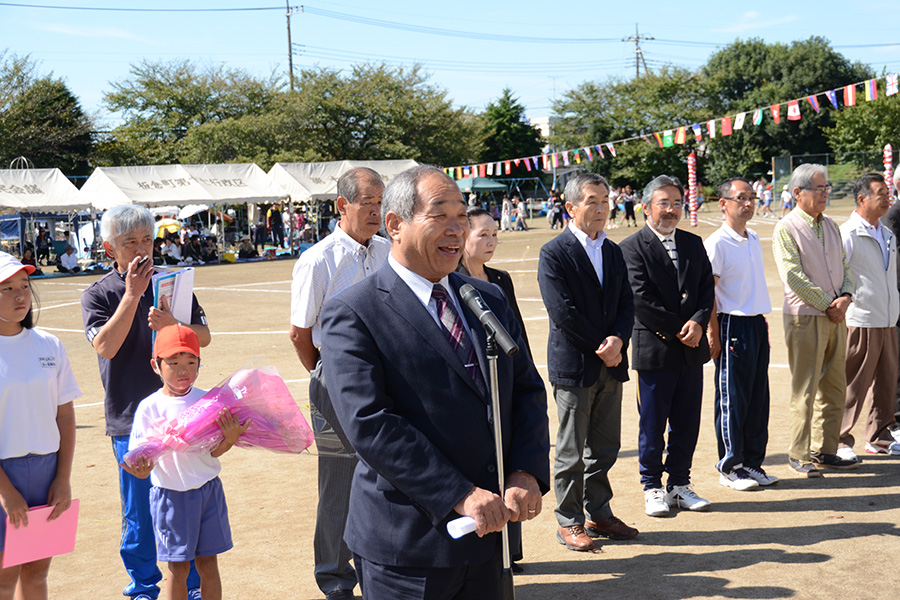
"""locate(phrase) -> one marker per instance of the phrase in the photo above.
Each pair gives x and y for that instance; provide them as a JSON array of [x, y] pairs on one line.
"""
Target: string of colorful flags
[[667, 138]]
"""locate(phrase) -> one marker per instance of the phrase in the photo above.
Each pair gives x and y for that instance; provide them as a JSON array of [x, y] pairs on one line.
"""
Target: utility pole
[[291, 11], [637, 38]]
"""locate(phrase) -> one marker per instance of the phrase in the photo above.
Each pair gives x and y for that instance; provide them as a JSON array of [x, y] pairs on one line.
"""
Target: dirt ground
[[835, 537]]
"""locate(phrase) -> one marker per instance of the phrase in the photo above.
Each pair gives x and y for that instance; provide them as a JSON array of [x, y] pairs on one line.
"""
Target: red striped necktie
[[455, 330]]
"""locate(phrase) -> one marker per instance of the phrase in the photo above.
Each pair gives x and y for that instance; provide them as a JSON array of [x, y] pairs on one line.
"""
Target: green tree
[[596, 112], [752, 74], [508, 134], [374, 112], [865, 129], [41, 119], [161, 102]]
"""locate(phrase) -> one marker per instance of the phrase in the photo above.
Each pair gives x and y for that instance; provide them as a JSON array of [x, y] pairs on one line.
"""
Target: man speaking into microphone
[[406, 367]]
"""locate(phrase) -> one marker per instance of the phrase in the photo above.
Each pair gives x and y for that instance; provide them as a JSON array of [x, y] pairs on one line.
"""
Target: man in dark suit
[[674, 296], [585, 288], [406, 369], [892, 221]]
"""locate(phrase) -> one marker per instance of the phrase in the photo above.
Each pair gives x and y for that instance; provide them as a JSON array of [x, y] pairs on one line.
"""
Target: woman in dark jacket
[[479, 248]]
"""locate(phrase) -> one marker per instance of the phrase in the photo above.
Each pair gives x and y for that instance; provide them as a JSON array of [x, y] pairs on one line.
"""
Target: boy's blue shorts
[[31, 475], [190, 524]]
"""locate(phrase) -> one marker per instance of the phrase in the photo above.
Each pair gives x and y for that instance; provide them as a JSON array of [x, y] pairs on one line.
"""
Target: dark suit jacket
[[419, 425], [502, 278], [892, 221], [582, 312], [664, 300]]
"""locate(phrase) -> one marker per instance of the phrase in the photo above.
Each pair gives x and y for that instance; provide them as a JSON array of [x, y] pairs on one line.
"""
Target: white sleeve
[[67, 387], [142, 421], [715, 258], [308, 289]]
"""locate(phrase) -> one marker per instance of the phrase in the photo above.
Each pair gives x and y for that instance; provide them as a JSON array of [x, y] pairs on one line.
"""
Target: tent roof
[[38, 190], [480, 184], [180, 185], [305, 181]]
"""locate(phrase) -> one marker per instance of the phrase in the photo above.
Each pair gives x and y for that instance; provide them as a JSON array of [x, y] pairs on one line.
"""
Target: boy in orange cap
[[187, 504]]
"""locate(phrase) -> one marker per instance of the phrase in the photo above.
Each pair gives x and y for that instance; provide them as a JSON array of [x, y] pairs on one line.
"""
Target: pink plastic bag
[[256, 394]]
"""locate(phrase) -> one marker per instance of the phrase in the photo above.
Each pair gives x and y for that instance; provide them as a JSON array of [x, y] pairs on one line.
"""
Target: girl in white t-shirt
[[37, 423]]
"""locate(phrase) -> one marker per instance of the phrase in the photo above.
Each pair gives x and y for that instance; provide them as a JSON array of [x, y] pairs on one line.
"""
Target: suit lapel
[[658, 252], [683, 259], [398, 296], [579, 255]]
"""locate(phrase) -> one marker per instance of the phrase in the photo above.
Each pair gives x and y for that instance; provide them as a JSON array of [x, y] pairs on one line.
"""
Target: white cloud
[[93, 32], [753, 20]]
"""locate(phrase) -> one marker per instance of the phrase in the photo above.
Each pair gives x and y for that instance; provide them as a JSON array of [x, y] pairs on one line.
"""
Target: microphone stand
[[506, 577]]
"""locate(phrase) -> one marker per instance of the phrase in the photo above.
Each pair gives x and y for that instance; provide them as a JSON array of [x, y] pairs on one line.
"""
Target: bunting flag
[[680, 135], [668, 138], [726, 125], [612, 149], [507, 167], [482, 170], [850, 95], [832, 96], [536, 167], [577, 156], [871, 90], [600, 150], [739, 121], [814, 102], [587, 150], [757, 116], [528, 165], [647, 139], [465, 172], [555, 159], [794, 111], [546, 159], [711, 128], [565, 155], [490, 169], [891, 81], [516, 161], [659, 140], [697, 134], [776, 112]]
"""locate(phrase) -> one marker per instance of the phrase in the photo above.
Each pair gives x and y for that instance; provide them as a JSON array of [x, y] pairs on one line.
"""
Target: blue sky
[[480, 48]]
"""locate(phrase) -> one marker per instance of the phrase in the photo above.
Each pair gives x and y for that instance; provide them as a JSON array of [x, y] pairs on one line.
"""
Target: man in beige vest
[[817, 292]]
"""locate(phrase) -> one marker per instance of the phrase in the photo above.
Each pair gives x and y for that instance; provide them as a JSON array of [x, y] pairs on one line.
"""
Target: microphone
[[488, 319]]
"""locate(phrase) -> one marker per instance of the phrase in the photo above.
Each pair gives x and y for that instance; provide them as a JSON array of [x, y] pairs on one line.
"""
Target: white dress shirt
[[327, 269], [594, 248]]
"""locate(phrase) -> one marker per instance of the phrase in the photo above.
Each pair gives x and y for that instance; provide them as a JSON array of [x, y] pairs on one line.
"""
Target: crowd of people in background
[[388, 411]]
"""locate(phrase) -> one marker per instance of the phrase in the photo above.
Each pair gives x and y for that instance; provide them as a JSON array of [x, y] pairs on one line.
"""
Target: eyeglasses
[[743, 199], [819, 189], [666, 205]]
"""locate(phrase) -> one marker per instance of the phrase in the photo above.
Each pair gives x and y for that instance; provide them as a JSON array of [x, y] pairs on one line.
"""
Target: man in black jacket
[[585, 288], [674, 294]]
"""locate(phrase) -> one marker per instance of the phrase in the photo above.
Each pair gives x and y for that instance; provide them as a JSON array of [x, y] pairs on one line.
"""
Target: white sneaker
[[761, 477], [684, 496], [893, 449], [655, 504], [895, 433], [738, 480], [847, 453]]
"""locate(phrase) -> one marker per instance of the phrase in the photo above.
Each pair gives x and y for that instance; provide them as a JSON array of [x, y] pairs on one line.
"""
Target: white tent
[[308, 181], [180, 185], [38, 190]]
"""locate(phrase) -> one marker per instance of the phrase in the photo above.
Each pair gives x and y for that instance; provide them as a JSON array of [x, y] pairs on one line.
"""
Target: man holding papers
[[119, 320]]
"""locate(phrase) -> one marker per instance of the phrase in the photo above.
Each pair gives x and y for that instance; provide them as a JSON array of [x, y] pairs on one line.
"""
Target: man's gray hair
[[349, 183], [124, 219], [575, 187], [400, 195], [661, 182], [802, 177]]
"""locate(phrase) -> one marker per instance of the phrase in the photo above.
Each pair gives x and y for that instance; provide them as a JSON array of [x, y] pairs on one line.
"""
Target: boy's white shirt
[[180, 470]]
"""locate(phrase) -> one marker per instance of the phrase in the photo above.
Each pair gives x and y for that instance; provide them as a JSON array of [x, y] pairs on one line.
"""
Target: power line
[[152, 10]]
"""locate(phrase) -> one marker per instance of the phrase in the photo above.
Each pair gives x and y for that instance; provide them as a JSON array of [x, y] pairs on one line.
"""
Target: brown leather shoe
[[574, 538], [611, 527]]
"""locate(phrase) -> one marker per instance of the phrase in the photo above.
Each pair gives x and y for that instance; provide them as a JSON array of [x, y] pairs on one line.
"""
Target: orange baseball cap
[[173, 339]]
